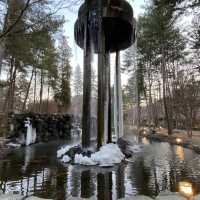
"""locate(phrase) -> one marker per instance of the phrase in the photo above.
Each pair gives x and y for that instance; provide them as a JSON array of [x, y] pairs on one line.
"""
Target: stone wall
[[48, 127]]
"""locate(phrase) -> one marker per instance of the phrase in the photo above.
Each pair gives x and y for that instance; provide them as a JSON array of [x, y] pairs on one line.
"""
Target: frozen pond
[[159, 167]]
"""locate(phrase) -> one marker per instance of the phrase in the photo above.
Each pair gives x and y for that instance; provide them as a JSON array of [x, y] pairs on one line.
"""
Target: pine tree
[[63, 89], [78, 81]]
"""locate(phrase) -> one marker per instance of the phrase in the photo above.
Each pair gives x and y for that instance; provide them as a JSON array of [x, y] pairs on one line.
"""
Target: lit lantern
[[186, 189], [178, 140]]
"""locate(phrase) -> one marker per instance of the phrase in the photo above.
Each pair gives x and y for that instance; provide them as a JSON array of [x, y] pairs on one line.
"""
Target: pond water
[[35, 170]]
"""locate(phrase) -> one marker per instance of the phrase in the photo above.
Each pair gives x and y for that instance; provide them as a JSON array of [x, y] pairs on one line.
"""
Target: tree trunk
[[168, 120], [27, 92], [8, 95], [48, 91], [35, 86], [41, 90]]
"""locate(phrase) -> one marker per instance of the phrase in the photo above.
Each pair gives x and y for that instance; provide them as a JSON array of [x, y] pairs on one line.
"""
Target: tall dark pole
[[101, 86], [86, 114], [104, 126]]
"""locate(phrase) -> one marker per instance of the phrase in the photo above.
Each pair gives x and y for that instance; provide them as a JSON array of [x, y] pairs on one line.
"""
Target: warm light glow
[[145, 140], [178, 140], [180, 152], [186, 189], [144, 132]]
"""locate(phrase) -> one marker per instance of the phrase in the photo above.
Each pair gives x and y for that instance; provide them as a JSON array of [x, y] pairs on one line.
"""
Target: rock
[[123, 145], [169, 196]]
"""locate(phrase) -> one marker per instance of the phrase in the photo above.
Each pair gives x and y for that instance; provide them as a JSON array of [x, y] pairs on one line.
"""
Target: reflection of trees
[[75, 182], [61, 183], [86, 184], [140, 177], [120, 181]]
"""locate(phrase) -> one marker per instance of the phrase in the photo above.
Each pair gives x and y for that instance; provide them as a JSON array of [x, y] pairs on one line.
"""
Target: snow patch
[[63, 150], [65, 159], [108, 155], [14, 145], [84, 160]]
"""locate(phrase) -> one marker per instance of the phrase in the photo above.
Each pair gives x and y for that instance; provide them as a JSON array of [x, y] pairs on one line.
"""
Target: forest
[[163, 89]]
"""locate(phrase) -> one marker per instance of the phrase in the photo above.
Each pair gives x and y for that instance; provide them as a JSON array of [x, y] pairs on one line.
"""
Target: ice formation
[[30, 134]]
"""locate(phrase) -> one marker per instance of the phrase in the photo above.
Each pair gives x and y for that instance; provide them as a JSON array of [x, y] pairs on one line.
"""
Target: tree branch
[[12, 26]]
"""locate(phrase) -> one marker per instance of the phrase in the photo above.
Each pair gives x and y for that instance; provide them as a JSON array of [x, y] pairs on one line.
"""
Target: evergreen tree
[[63, 90], [78, 81]]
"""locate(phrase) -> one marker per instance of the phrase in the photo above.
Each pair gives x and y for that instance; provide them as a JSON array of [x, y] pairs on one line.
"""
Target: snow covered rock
[[108, 155], [66, 159], [13, 145], [84, 160], [63, 150], [170, 196]]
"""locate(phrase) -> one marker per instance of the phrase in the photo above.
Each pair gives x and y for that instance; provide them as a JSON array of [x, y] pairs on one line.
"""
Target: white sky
[[69, 31]]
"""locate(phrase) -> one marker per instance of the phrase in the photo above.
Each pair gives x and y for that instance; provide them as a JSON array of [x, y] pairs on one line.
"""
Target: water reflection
[[180, 152], [158, 168], [145, 141]]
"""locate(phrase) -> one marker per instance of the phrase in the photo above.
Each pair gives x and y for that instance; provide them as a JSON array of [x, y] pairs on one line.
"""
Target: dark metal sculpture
[[102, 27]]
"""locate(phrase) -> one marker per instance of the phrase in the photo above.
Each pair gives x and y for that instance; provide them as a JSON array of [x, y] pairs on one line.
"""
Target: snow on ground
[[66, 159], [14, 145], [108, 155]]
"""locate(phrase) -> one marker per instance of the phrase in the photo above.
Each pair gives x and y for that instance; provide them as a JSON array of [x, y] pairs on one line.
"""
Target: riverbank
[[179, 137]]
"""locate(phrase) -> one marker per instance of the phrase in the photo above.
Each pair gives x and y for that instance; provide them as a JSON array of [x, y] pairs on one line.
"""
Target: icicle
[[31, 133]]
